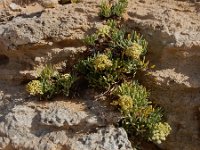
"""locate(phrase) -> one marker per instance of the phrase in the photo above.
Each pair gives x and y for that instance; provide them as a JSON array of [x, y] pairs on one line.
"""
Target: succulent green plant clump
[[115, 9], [140, 118], [50, 83], [117, 55]]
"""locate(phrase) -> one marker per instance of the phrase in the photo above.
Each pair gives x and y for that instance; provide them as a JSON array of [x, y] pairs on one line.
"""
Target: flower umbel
[[34, 87], [146, 111], [134, 51], [160, 132], [66, 76], [105, 30], [101, 62], [125, 102]]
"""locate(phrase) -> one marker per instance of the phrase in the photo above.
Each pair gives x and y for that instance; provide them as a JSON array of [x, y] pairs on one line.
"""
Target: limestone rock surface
[[63, 124], [34, 36]]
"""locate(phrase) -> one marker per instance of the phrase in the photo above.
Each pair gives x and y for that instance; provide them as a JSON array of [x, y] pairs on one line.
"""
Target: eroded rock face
[[174, 85], [109, 138], [44, 36], [59, 125], [34, 36], [61, 117]]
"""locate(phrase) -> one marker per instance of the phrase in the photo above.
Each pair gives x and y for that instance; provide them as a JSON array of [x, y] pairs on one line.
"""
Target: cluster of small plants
[[114, 57], [114, 9], [50, 83]]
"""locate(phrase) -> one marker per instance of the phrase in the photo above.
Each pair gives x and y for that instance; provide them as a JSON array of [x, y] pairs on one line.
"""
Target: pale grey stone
[[61, 117], [109, 138], [14, 7]]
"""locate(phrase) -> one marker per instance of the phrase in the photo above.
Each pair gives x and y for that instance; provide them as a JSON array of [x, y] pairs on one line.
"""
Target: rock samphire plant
[[114, 9], [50, 83], [140, 118], [115, 57]]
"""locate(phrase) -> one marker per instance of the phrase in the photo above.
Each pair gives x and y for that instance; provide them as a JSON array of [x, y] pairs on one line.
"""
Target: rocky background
[[37, 32]]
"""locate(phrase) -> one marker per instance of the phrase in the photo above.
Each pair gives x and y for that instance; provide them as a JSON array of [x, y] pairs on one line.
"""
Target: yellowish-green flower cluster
[[66, 76], [160, 132], [134, 51], [147, 111], [125, 102], [34, 87], [101, 62], [105, 30]]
